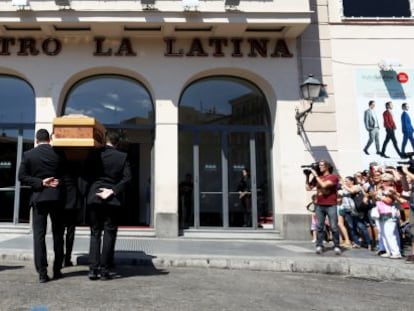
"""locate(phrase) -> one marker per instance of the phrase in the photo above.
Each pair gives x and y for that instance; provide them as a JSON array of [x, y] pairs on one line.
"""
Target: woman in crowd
[[385, 197], [345, 206], [356, 217]]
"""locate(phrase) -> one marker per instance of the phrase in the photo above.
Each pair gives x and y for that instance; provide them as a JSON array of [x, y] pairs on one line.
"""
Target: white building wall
[[362, 44], [165, 78], [333, 48]]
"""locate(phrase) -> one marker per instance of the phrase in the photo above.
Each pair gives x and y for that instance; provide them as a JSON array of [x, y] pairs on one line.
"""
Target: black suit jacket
[[38, 163], [107, 168], [74, 186]]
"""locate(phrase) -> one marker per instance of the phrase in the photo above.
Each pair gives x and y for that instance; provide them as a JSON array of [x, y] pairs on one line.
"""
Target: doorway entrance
[[17, 117], [215, 164], [124, 105], [221, 135]]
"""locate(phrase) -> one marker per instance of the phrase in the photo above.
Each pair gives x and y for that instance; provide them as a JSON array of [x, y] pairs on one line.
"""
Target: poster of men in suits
[[386, 114]]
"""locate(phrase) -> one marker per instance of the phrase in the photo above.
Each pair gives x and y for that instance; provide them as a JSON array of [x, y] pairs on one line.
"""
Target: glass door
[[14, 198], [231, 177], [240, 186], [209, 179]]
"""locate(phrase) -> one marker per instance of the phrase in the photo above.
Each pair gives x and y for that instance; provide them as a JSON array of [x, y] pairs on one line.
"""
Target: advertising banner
[[379, 141]]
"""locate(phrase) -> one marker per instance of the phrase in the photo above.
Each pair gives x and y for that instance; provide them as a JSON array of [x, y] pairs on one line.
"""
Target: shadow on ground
[[126, 264], [4, 268]]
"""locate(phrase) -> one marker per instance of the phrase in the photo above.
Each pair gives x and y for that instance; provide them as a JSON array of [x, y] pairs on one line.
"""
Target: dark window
[[376, 8], [17, 101], [111, 99], [224, 101]]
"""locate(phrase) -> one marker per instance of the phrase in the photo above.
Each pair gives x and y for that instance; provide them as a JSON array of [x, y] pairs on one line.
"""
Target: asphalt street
[[152, 288], [275, 256]]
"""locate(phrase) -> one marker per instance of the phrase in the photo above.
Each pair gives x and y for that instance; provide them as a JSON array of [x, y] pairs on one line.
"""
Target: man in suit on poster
[[372, 126], [41, 168], [407, 128], [108, 175], [390, 127]]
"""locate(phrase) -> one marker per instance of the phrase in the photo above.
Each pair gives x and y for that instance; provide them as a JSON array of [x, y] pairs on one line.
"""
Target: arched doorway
[[224, 128], [17, 118], [123, 104]]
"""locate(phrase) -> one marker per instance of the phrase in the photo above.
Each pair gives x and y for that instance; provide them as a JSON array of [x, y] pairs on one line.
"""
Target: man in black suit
[[73, 206], [108, 174], [41, 168]]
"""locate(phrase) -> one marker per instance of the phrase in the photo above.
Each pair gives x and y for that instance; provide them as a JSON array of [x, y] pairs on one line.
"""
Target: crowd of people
[[59, 186], [372, 209]]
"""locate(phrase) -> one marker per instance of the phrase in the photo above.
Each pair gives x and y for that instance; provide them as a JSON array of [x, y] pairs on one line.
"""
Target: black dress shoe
[[93, 274], [384, 155], [57, 275], [379, 153], [43, 278], [105, 276], [366, 151]]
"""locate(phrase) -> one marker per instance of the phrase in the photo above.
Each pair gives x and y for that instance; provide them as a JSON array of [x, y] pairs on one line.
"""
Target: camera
[[409, 162], [307, 168]]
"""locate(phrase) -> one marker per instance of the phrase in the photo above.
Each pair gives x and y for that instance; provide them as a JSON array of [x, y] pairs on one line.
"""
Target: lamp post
[[310, 89]]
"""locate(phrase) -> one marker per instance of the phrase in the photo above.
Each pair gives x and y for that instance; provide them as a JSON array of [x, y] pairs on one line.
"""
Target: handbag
[[311, 207], [374, 213], [360, 205]]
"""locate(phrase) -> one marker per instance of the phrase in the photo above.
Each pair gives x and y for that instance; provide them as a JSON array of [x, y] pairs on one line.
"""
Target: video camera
[[409, 162], [314, 166]]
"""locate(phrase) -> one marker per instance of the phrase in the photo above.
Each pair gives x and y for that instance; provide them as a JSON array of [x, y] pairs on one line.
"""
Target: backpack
[[360, 206]]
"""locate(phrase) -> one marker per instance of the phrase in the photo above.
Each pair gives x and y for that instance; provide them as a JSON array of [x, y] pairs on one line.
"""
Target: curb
[[357, 268]]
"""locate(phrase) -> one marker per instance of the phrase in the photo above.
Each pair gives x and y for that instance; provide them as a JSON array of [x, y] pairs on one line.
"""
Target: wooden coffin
[[78, 131]]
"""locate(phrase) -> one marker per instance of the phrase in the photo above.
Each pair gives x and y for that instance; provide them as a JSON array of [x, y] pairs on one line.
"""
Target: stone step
[[137, 232], [232, 234], [15, 229], [128, 232]]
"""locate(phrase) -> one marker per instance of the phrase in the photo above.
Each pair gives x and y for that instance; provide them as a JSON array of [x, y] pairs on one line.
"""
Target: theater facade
[[198, 90]]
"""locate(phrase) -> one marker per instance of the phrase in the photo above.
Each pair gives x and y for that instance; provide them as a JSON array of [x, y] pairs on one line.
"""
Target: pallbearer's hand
[[104, 193]]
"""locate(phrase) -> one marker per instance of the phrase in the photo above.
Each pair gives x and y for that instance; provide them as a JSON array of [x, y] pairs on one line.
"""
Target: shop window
[[376, 8]]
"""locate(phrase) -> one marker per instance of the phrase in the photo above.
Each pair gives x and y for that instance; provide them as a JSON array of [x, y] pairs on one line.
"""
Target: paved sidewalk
[[280, 255]]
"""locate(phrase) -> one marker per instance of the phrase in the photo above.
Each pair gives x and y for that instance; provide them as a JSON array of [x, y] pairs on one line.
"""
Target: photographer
[[326, 184]]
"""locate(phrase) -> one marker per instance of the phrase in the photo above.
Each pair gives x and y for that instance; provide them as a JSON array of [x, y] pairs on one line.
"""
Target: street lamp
[[310, 89]]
